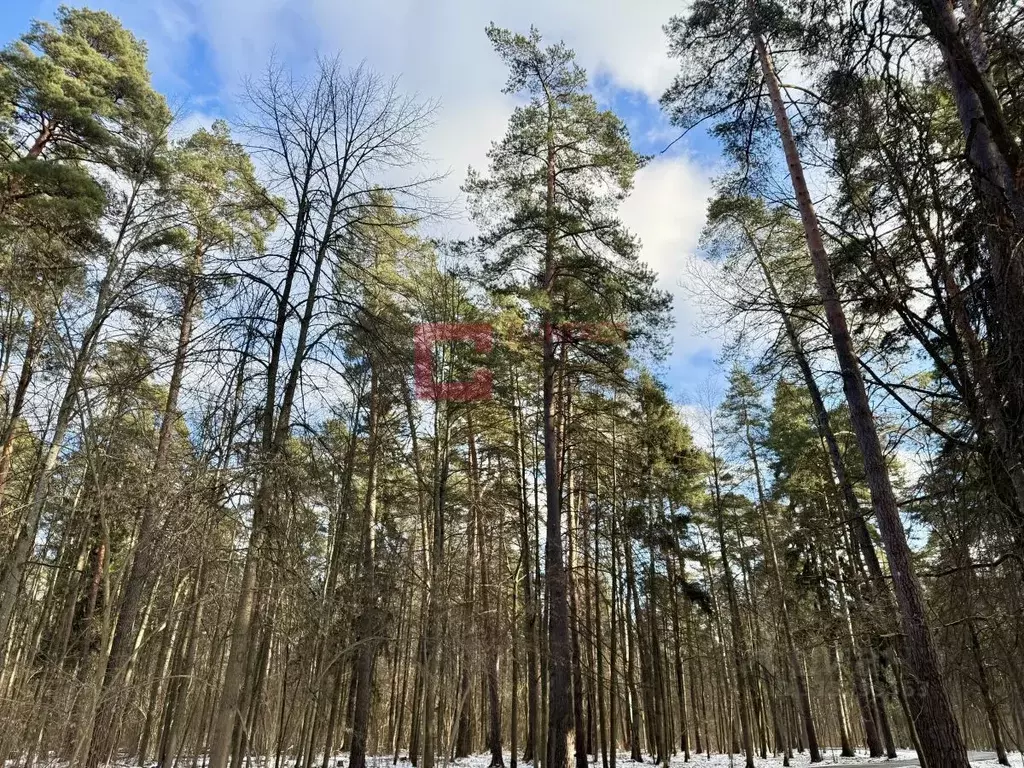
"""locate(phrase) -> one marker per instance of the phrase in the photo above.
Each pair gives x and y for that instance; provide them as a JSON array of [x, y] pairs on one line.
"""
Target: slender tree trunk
[[28, 361], [530, 628], [559, 681], [579, 732], [857, 673], [613, 618], [367, 623], [602, 724], [145, 563], [587, 627], [513, 735], [464, 734], [631, 618], [430, 662], [677, 641], [941, 738], [699, 712], [794, 657], [985, 688], [490, 612], [13, 569], [181, 682], [736, 624], [738, 652]]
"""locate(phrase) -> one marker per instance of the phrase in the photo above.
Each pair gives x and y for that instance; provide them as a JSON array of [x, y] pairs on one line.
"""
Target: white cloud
[[189, 123], [439, 42], [437, 47], [667, 210], [439, 50]]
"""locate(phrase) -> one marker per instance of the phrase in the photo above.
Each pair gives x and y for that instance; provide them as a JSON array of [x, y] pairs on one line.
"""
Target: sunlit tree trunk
[[941, 738]]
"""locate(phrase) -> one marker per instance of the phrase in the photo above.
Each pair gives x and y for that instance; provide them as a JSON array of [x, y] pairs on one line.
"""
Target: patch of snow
[[831, 757]]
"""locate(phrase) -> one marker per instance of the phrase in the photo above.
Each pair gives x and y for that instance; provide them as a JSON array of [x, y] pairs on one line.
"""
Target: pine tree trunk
[[737, 650], [699, 712], [794, 657], [429, 667], [513, 726], [613, 617], [559, 680], [602, 724], [490, 612], [367, 623], [530, 629], [17, 403], [856, 667], [657, 672], [145, 563], [587, 628], [823, 424], [631, 616], [579, 732], [677, 642], [181, 682], [941, 738], [464, 734], [985, 688]]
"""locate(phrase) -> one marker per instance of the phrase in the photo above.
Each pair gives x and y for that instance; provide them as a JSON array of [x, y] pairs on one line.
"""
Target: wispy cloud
[[200, 52]]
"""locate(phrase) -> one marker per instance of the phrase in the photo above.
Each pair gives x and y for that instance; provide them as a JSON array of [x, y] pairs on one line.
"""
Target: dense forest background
[[250, 511]]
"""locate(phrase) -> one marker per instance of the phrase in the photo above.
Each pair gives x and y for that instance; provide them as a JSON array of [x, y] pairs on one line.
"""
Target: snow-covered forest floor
[[978, 760], [714, 761], [727, 761], [1016, 761], [731, 761]]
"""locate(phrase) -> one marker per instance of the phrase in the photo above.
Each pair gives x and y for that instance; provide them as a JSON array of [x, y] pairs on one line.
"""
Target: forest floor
[[906, 759]]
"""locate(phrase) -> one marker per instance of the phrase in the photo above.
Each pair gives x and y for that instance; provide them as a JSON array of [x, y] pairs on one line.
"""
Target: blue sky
[[200, 51]]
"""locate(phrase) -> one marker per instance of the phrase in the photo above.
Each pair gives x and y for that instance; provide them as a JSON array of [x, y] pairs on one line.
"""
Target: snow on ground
[[1016, 761], [905, 758]]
